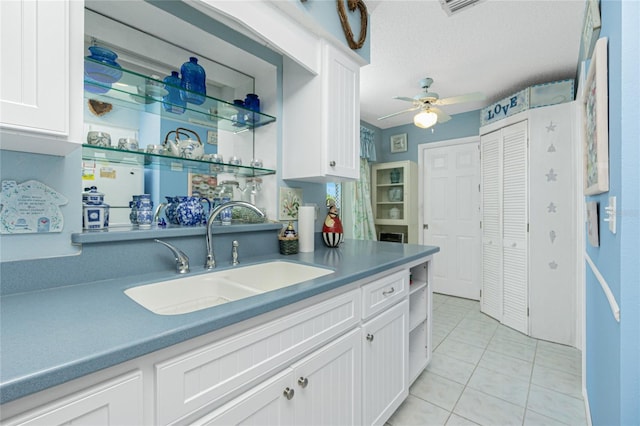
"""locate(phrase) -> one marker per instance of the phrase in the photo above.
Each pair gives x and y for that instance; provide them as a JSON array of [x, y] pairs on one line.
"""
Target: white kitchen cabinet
[[420, 307], [321, 119], [528, 236], [394, 197], [321, 389], [203, 377], [113, 403], [41, 76], [385, 358]]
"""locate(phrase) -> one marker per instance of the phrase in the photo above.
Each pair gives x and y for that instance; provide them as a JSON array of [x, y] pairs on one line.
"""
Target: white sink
[[190, 294], [274, 275]]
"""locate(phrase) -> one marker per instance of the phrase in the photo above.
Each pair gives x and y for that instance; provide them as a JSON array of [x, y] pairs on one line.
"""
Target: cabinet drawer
[[207, 375], [382, 293]]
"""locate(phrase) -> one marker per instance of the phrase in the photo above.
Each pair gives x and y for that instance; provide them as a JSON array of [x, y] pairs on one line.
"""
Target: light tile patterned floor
[[483, 373]]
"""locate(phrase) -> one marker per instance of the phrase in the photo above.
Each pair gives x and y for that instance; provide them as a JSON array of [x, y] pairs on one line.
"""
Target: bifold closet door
[[504, 225], [491, 285], [515, 217]]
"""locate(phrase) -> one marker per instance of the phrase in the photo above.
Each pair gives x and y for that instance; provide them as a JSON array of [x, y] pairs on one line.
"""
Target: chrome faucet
[[211, 262], [182, 260]]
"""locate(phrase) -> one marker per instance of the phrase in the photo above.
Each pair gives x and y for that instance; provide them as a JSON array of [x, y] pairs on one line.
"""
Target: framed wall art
[[398, 143], [596, 123]]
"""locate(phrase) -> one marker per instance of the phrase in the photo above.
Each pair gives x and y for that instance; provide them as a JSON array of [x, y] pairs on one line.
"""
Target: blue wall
[[613, 349], [460, 126]]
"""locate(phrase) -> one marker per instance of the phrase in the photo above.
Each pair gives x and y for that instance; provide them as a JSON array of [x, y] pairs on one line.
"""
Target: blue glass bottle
[[174, 100], [193, 81], [253, 103]]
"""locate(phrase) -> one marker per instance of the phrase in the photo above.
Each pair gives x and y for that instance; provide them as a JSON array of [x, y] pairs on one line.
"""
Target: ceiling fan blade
[[399, 112], [404, 98], [443, 117], [469, 97]]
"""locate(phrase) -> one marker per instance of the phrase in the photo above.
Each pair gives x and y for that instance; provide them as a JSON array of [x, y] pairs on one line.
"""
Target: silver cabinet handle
[[288, 393], [388, 292], [303, 382], [370, 337], [332, 163]]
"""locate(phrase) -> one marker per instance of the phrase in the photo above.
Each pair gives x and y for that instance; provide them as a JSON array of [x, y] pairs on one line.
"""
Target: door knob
[[332, 163], [303, 382], [370, 337]]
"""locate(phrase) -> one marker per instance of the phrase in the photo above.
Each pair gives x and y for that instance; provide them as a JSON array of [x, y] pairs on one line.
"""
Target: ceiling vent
[[456, 6]]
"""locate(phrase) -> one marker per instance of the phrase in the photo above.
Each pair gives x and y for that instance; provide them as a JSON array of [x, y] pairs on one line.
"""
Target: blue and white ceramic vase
[[191, 212], [193, 81], [174, 101], [144, 212]]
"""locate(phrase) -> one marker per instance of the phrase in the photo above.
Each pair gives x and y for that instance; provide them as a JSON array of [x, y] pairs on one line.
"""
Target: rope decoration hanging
[[346, 27]]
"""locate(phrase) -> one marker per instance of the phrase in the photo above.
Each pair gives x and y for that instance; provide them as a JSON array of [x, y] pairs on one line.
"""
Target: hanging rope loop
[[346, 27]]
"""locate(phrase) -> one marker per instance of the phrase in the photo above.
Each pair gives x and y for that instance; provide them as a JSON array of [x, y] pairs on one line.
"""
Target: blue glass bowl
[[92, 86], [102, 54], [104, 72]]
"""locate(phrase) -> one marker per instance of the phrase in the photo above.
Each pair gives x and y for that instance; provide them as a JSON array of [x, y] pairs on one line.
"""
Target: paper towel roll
[[306, 228]]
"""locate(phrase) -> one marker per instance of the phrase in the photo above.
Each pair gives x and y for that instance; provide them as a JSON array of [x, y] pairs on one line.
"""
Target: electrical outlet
[[610, 210]]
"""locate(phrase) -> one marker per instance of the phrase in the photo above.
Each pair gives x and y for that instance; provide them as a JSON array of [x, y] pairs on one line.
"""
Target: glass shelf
[[136, 92], [114, 155]]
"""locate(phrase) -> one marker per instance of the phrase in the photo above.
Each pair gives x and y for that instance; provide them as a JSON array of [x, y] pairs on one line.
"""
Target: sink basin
[[190, 294], [184, 295], [273, 275]]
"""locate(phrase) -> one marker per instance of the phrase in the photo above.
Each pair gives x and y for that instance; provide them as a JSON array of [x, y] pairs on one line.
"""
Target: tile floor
[[485, 373]]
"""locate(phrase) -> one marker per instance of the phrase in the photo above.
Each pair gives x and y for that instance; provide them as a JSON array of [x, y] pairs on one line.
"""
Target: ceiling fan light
[[425, 119]]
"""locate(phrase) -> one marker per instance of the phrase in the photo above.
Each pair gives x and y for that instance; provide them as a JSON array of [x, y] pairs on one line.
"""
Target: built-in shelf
[[141, 93], [114, 155]]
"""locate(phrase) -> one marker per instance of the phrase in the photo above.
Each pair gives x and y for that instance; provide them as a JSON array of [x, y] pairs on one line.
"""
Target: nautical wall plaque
[[30, 207]]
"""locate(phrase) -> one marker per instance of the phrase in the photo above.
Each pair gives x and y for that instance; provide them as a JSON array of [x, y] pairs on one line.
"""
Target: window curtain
[[359, 192]]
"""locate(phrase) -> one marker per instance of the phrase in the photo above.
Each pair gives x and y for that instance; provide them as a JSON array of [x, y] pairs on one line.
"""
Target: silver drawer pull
[[388, 292], [288, 393], [303, 382]]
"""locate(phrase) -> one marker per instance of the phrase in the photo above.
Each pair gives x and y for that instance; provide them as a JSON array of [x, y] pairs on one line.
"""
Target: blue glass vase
[[174, 100], [252, 102], [239, 118], [193, 81]]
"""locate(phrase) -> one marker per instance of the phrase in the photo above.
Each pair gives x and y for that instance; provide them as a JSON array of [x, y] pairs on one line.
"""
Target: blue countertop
[[51, 336]]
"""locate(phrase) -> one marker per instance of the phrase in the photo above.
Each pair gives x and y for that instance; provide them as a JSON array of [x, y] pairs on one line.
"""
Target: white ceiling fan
[[425, 101]]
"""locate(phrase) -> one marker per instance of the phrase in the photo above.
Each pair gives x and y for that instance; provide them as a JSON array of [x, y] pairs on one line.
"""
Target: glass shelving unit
[[114, 155], [138, 92]]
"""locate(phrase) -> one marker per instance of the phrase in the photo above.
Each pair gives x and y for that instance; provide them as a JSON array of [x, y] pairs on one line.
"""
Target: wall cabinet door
[[41, 80], [114, 403], [385, 354], [321, 122]]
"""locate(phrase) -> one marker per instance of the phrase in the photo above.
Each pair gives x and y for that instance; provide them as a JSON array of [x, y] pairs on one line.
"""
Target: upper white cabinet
[[41, 76], [321, 119]]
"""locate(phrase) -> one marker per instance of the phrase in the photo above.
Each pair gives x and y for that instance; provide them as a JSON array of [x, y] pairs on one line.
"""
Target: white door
[[451, 215]]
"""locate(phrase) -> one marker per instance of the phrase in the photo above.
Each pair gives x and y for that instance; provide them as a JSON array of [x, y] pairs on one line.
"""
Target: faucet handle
[[182, 260], [234, 252]]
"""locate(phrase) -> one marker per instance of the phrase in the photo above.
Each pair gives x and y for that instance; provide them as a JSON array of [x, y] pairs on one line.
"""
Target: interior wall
[[612, 348]]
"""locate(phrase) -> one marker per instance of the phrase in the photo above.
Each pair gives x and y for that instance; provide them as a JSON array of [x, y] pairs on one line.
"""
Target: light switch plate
[[610, 210]]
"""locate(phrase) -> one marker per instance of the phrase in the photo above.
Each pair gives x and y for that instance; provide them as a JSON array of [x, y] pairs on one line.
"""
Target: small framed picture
[[399, 142], [212, 137]]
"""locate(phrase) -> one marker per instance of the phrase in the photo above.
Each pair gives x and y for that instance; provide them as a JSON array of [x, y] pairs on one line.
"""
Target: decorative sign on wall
[[506, 107], [30, 207]]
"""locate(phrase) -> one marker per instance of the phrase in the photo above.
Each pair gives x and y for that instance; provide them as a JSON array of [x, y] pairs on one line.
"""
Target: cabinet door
[[266, 404], [341, 88], [327, 390], [114, 403], [39, 40], [385, 354]]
